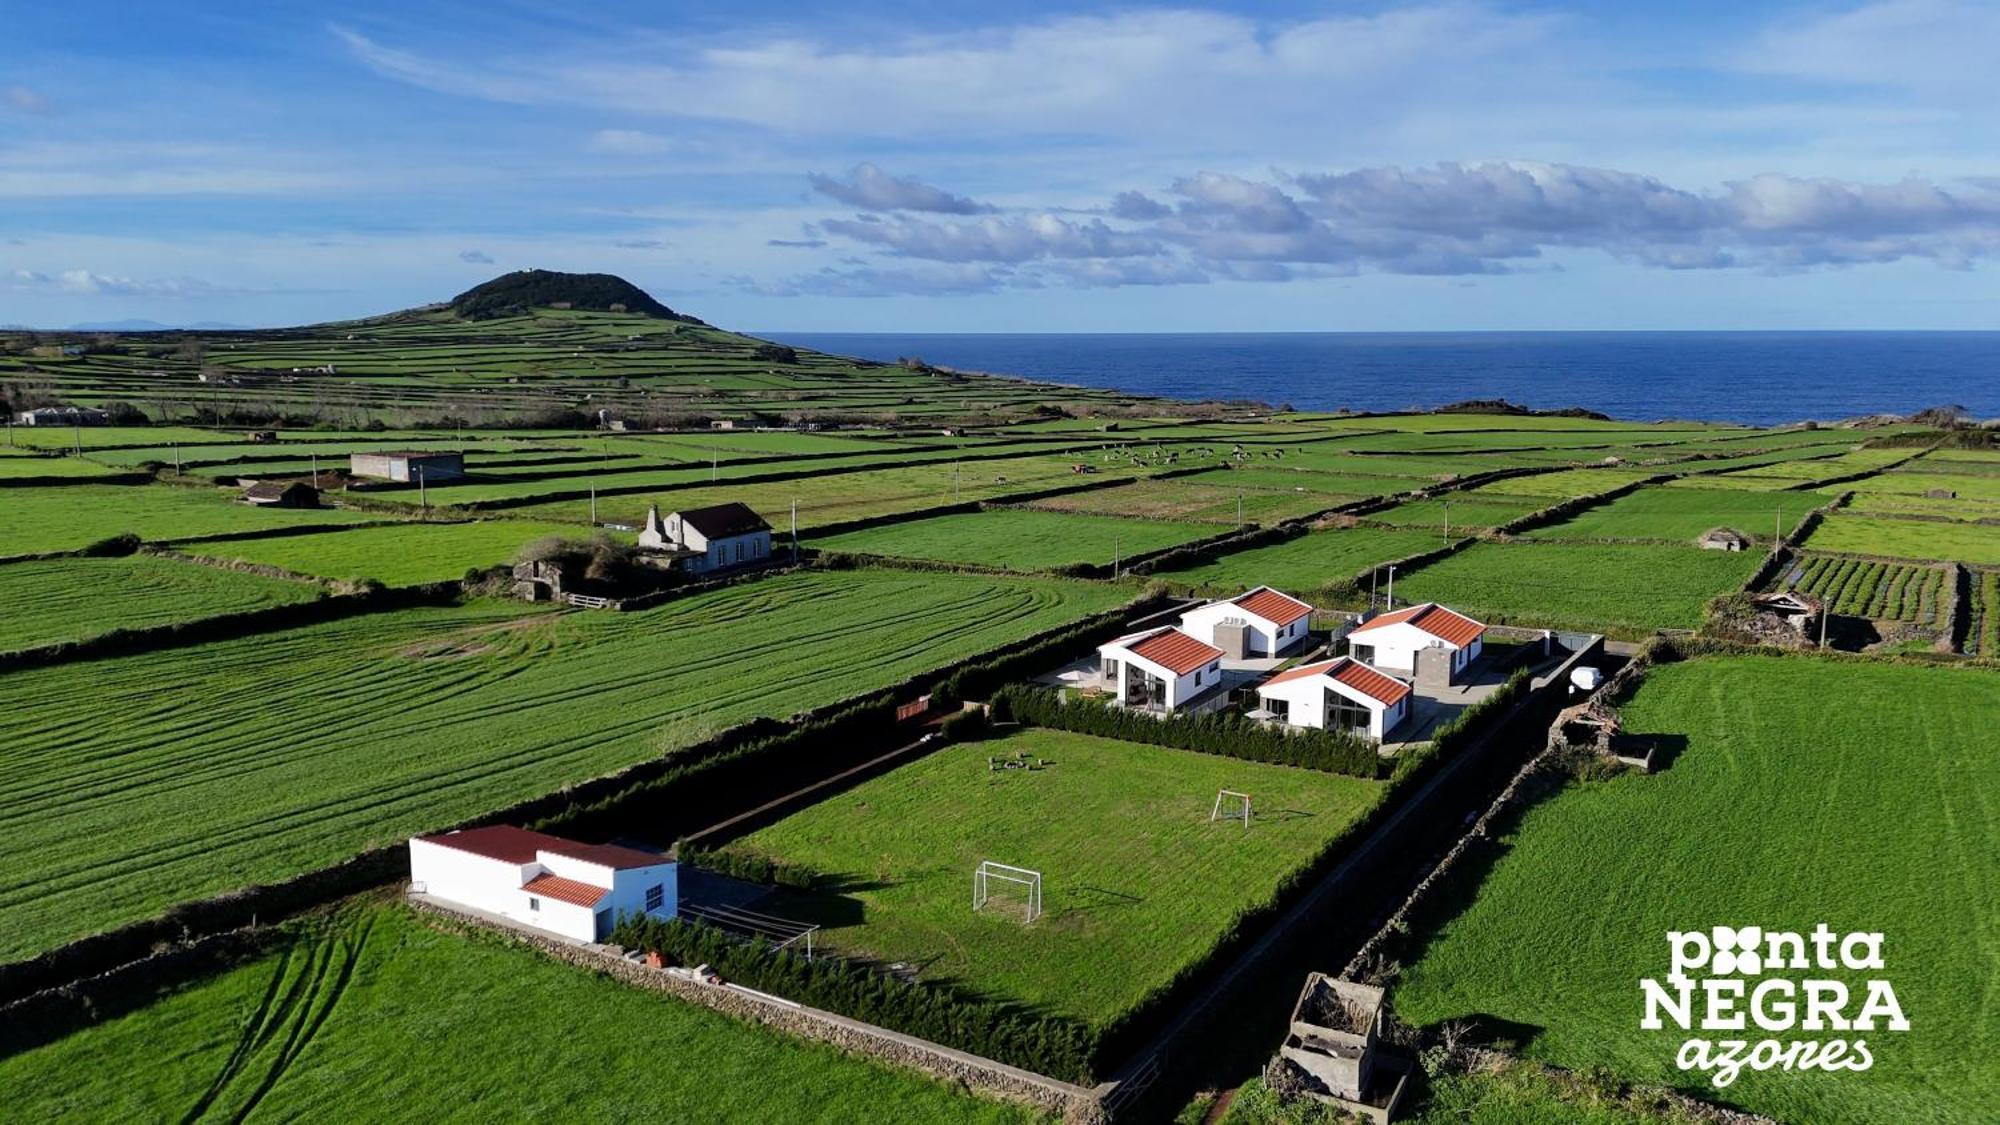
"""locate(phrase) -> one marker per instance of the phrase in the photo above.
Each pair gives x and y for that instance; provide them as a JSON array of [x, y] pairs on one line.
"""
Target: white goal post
[[1230, 805], [1020, 876]]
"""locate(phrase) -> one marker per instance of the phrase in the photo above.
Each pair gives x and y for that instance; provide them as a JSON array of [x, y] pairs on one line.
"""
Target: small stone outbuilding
[[1723, 539], [281, 494]]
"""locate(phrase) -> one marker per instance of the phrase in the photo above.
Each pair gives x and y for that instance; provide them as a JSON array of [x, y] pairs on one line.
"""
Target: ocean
[[1758, 378]]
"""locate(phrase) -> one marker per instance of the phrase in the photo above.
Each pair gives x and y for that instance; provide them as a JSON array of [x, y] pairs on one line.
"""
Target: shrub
[[1050, 1045], [749, 867], [1228, 734], [121, 544], [965, 726]]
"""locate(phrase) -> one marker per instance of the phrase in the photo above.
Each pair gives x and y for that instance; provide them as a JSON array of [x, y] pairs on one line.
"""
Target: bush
[[965, 726], [115, 546], [1228, 734], [749, 867], [1002, 708], [1050, 1045]]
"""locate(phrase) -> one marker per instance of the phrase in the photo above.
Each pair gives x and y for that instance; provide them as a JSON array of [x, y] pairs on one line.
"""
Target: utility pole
[[593, 505], [795, 531], [177, 463], [78, 433], [954, 482], [1114, 557], [1374, 579], [1239, 511], [315, 457], [1389, 595], [1447, 521], [714, 459], [423, 493], [1824, 613], [1780, 540]]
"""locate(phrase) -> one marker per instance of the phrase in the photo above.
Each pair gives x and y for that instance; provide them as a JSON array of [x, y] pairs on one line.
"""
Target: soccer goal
[[1023, 884], [1230, 805]]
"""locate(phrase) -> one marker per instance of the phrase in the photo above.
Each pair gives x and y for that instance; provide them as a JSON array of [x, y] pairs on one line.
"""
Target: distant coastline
[[1753, 378]]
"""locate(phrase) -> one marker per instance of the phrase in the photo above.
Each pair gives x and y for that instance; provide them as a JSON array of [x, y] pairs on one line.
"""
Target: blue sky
[[884, 166]]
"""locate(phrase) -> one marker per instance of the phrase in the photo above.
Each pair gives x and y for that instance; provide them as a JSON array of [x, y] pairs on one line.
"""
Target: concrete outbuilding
[[572, 890], [1260, 622], [1393, 642], [409, 466]]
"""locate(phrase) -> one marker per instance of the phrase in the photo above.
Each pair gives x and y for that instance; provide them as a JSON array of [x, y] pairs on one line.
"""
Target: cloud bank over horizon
[[1443, 163]]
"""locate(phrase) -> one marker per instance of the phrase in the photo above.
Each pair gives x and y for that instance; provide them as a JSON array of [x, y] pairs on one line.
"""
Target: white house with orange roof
[[1337, 694], [1391, 641], [1160, 669], [1260, 622], [573, 890]]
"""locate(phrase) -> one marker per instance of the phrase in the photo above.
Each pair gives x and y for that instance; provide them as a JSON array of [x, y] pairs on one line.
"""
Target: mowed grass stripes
[[127, 785]]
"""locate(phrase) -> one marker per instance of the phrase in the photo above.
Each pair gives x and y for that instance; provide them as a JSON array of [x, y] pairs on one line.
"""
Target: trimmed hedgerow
[[1053, 1045], [1228, 734], [751, 868]]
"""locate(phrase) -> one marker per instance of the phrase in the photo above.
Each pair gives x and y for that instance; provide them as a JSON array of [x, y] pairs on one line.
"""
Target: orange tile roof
[[1176, 651], [565, 890], [610, 855], [1384, 689], [1432, 618], [1270, 605]]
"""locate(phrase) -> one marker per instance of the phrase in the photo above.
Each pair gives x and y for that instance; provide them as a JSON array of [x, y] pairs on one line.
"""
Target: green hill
[[515, 293]]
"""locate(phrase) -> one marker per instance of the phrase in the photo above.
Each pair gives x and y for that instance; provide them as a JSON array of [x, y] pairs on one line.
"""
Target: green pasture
[[72, 516], [69, 599], [1624, 589], [374, 1015], [1938, 540], [1683, 514], [1204, 498], [1808, 791], [243, 761], [1308, 562], [1018, 538], [405, 554]]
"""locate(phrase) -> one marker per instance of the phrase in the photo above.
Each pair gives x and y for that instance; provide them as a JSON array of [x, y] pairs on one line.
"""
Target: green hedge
[[1228, 734], [751, 868], [1051, 1045]]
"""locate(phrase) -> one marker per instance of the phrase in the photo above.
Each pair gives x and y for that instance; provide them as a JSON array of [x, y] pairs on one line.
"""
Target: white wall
[[1396, 647], [495, 886], [486, 884], [1180, 688], [1306, 698], [1266, 637]]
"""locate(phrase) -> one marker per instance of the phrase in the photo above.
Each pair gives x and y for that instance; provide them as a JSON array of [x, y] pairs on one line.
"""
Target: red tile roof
[[503, 842], [508, 844], [610, 855], [1432, 618], [1176, 651], [1383, 689], [1273, 606], [565, 890]]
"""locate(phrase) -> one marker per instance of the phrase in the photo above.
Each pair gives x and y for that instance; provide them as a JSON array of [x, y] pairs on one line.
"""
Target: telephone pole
[[593, 505], [795, 531], [423, 493]]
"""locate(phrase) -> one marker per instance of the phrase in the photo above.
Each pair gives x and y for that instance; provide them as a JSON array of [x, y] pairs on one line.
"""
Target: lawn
[[72, 516], [1626, 589], [1684, 513], [46, 601], [1019, 538], [373, 1015], [1809, 791], [1206, 498], [1907, 539], [1137, 882], [242, 761], [1308, 562], [395, 555], [1462, 510], [14, 468]]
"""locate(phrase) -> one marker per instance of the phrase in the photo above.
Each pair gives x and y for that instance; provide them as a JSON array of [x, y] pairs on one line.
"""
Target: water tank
[[1585, 678]]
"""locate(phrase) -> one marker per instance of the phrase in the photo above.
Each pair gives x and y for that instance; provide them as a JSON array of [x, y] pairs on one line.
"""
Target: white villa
[[711, 538], [1391, 641], [1338, 694], [1160, 669], [1262, 622], [569, 889]]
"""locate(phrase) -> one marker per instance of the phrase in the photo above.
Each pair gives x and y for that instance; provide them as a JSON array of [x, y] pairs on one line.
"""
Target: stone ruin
[[1333, 1048]]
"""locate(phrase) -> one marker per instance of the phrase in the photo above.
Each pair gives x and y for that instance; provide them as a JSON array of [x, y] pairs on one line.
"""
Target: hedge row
[[751, 868], [1228, 734], [1056, 1046]]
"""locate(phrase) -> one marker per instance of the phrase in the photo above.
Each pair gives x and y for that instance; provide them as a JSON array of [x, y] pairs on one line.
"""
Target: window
[[534, 904], [656, 897]]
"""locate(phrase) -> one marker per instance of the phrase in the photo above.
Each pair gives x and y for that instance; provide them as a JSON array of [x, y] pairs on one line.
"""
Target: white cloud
[[872, 189], [25, 100], [83, 282], [627, 142]]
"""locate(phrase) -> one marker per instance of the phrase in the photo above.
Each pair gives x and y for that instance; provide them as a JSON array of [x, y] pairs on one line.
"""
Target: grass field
[[212, 767], [71, 516], [1625, 589], [372, 1015], [1206, 498], [1889, 591], [1684, 513], [1461, 510], [396, 555], [15, 468], [1310, 561], [1858, 795], [43, 602], [1019, 538], [1936, 540], [1515, 1094], [1137, 883]]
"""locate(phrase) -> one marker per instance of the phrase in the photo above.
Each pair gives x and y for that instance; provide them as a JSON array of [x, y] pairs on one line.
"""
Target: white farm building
[[1338, 694], [1392, 641], [711, 538], [1262, 622], [1160, 669], [573, 890]]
